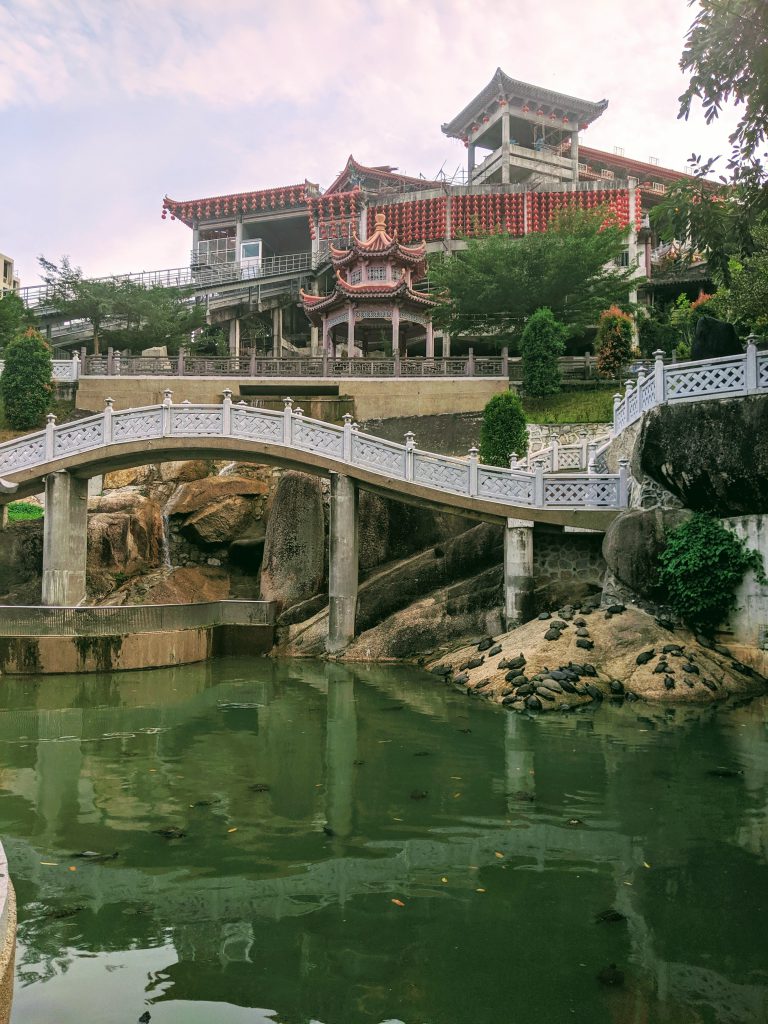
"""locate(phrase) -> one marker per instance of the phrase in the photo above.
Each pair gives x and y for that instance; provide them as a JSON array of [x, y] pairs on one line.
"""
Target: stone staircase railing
[[64, 370], [722, 377], [444, 476]]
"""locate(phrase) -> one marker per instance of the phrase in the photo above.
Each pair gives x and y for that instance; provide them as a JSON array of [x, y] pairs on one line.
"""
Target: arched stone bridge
[[63, 457]]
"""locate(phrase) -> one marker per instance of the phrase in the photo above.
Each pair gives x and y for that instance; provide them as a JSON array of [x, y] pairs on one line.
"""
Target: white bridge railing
[[722, 377], [290, 429], [64, 370]]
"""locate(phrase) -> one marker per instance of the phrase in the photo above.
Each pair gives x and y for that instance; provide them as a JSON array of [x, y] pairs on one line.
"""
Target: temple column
[[470, 161], [313, 331], [518, 571], [351, 331], [505, 148], [395, 331], [234, 338], [326, 335], [575, 155], [342, 562], [195, 239], [430, 350], [65, 539], [446, 345]]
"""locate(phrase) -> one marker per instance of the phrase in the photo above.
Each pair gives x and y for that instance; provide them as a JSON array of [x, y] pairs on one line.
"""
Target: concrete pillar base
[[518, 572], [342, 563], [65, 539]]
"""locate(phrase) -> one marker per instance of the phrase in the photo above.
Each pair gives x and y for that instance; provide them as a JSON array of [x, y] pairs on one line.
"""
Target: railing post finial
[[513, 459], [347, 436], [167, 397], [623, 494], [751, 363], [473, 470]]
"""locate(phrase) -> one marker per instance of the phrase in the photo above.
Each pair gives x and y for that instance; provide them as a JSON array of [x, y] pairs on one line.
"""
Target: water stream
[[361, 846]]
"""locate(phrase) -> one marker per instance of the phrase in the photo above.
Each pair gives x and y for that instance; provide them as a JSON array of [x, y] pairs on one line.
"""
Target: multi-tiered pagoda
[[374, 291]]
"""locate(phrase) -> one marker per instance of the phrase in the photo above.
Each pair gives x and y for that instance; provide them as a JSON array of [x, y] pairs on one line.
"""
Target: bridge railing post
[[750, 376], [410, 444], [658, 376], [538, 485], [252, 366], [347, 437], [180, 363], [616, 404], [75, 366], [505, 361], [639, 386], [513, 460], [110, 361], [167, 403], [473, 470], [591, 451], [584, 452], [116, 363], [555, 453], [50, 426], [623, 493], [471, 363], [226, 412], [108, 414], [397, 363], [287, 420]]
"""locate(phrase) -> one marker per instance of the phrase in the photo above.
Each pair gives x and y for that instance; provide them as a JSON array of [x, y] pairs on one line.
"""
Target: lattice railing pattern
[[699, 380], [340, 449]]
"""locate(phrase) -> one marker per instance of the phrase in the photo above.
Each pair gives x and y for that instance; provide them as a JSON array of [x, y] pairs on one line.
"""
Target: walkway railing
[[197, 276], [119, 620], [723, 377], [63, 369], [291, 431], [115, 365]]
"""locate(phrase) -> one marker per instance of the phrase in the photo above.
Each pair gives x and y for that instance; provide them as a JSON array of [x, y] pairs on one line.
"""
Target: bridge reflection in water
[[293, 910]]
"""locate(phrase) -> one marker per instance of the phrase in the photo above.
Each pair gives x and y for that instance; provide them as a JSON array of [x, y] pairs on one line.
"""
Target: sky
[[108, 105]]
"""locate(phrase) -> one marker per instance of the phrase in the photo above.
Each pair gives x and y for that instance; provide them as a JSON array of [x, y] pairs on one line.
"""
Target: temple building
[[374, 289], [272, 252]]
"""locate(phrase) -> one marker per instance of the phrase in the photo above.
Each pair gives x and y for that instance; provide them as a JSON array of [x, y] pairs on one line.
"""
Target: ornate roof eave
[[291, 197], [315, 305], [502, 85], [377, 172]]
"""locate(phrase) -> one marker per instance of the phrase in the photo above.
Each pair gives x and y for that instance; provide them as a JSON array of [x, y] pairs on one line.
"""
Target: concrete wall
[[7, 939], [379, 398], [566, 566], [47, 655], [748, 633]]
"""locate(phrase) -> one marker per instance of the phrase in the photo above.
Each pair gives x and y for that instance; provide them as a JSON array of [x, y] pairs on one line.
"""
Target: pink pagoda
[[374, 284]]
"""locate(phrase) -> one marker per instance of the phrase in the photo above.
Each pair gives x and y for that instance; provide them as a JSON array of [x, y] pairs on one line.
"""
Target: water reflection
[[313, 795]]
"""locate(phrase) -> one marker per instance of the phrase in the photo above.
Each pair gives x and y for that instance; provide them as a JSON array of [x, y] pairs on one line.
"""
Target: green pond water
[[363, 845]]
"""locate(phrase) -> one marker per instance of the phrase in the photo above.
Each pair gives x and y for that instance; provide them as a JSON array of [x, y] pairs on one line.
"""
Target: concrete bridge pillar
[[65, 539], [342, 562], [518, 571]]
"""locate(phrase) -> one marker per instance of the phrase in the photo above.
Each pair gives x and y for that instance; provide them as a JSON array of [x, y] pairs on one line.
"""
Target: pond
[[301, 842]]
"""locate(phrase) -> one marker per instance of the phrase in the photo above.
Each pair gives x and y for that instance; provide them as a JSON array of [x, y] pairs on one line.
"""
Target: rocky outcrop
[[713, 456], [390, 530], [576, 657], [21, 562], [206, 492], [221, 522], [633, 543], [125, 533], [293, 567], [173, 586]]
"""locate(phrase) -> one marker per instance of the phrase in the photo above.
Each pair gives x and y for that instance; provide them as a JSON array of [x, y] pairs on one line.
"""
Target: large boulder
[[125, 533], [221, 522], [633, 543], [21, 555], [390, 529], [293, 566], [198, 494], [714, 338], [711, 455]]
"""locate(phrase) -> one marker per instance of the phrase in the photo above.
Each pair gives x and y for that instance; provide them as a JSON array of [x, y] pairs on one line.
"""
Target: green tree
[[26, 383], [747, 299], [725, 55], [613, 342], [503, 430], [542, 342], [121, 312], [13, 317], [498, 281]]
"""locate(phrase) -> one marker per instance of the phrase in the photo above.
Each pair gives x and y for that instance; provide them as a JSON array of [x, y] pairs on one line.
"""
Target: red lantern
[[525, 108]]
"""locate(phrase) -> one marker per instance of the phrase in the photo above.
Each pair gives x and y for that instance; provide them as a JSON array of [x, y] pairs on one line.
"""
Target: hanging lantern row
[[542, 206], [483, 214], [421, 220], [330, 211], [230, 206]]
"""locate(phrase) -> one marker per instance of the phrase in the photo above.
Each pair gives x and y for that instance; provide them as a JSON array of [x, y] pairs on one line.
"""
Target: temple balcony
[[523, 162]]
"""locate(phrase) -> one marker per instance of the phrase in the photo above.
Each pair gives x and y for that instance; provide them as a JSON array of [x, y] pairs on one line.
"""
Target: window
[[605, 173], [658, 186], [251, 250], [623, 260], [356, 276], [377, 273]]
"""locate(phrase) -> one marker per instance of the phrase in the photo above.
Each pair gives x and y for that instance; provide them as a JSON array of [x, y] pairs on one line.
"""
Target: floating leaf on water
[[499, 855], [398, 903], [646, 864], [443, 879], [480, 890], [231, 830]]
